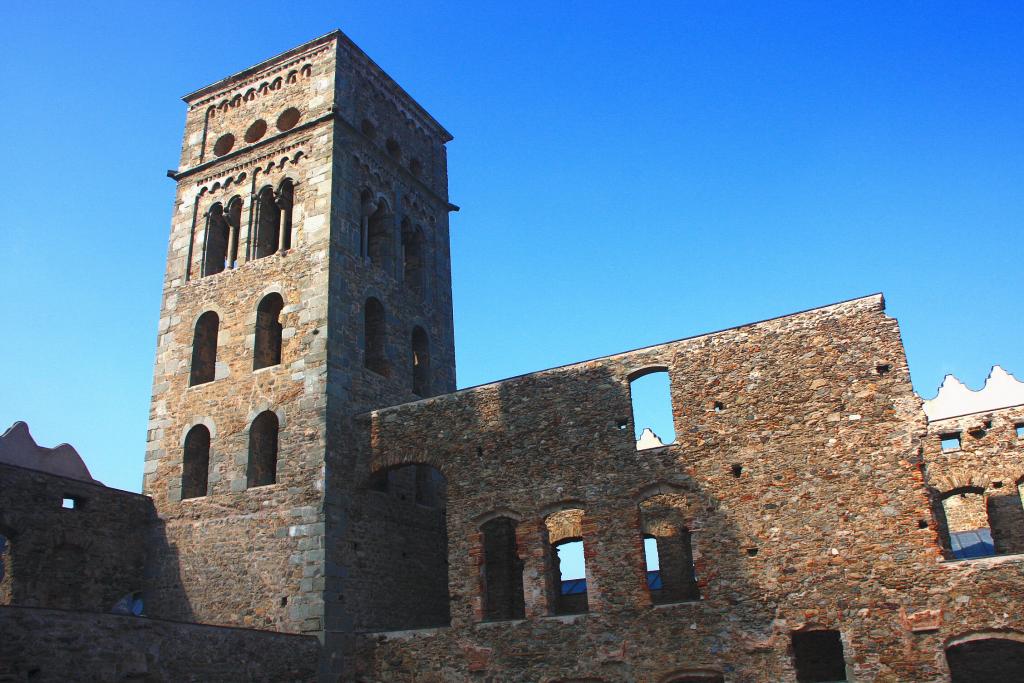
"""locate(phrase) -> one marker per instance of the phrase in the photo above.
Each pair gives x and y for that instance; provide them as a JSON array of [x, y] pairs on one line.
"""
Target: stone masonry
[[320, 503]]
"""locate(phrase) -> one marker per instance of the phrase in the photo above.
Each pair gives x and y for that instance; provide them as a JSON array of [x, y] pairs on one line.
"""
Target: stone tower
[[308, 281]]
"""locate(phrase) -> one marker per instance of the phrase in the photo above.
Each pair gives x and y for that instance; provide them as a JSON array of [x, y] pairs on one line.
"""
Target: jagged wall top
[[17, 447], [1001, 390]]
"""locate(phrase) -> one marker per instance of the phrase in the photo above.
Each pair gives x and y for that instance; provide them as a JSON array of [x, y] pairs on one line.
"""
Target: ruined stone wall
[[803, 495], [53, 645], [989, 464], [84, 558], [247, 556]]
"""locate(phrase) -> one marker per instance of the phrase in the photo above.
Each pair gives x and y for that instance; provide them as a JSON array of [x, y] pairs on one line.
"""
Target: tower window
[[267, 349], [204, 349], [234, 221], [374, 337], [412, 256], [217, 238], [416, 167], [394, 149], [420, 362], [268, 220], [195, 462], [378, 234], [262, 469], [651, 395]]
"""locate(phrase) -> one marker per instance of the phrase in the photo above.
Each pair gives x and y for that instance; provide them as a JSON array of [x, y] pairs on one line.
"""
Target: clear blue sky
[[629, 173]]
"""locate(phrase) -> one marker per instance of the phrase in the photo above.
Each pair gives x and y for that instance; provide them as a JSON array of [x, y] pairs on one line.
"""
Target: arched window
[[267, 349], [262, 468], [668, 549], [420, 362], [234, 220], [204, 349], [217, 237], [268, 223], [502, 571], [412, 256], [374, 337], [568, 579], [986, 659], [285, 200], [378, 237], [195, 462]]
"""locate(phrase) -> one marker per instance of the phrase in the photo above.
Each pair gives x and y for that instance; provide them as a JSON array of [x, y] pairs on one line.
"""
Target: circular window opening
[[416, 167], [256, 131], [369, 130], [288, 118], [393, 148], [224, 144]]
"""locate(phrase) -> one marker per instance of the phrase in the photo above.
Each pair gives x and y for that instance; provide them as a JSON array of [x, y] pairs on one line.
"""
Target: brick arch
[[382, 463], [692, 676], [959, 478], [497, 512], [971, 636]]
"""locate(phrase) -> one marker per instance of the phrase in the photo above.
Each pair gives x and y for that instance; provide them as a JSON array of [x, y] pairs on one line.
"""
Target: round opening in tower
[[288, 118], [224, 144], [256, 131]]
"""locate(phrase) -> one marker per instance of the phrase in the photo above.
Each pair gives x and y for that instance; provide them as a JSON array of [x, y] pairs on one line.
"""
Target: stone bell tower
[[308, 281]]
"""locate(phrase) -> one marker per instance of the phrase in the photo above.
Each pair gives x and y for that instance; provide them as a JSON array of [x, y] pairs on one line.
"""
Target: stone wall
[[803, 493], [83, 557], [988, 466], [54, 645]]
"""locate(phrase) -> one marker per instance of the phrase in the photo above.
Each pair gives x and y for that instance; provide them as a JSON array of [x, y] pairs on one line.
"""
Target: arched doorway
[[986, 659]]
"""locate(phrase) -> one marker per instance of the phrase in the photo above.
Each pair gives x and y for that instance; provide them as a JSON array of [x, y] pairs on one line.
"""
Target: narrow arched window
[[377, 235], [268, 223], [217, 237], [234, 220], [412, 257], [502, 571], [204, 349], [262, 468], [267, 349], [285, 200], [568, 571], [195, 462], [420, 362], [668, 549], [374, 337]]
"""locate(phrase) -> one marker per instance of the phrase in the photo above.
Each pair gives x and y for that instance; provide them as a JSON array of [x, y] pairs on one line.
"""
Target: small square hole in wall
[[69, 503], [950, 442], [883, 368], [1019, 429], [719, 406]]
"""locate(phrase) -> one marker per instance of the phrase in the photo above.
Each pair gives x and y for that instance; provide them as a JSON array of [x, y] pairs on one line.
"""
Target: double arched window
[[274, 219], [222, 228]]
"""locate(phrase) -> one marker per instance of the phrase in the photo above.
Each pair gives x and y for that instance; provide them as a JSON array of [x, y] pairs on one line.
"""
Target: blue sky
[[628, 174]]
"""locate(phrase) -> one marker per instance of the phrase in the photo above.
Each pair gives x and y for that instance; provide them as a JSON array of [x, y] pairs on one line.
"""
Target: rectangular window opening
[[950, 442], [70, 503], [653, 418], [1019, 430], [818, 657], [572, 575]]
